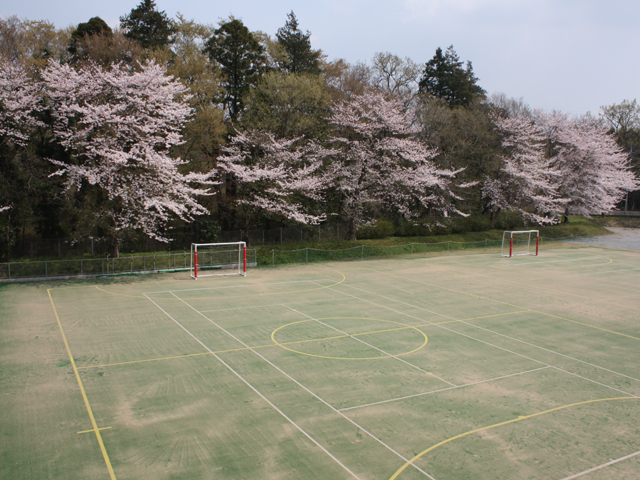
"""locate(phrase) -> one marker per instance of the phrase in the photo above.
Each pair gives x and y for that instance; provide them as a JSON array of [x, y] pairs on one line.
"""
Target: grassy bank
[[577, 226]]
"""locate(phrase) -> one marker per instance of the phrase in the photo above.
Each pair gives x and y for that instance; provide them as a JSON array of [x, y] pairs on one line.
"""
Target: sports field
[[442, 367]]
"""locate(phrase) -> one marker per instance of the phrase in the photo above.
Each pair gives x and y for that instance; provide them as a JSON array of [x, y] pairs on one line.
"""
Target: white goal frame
[[510, 234], [241, 248]]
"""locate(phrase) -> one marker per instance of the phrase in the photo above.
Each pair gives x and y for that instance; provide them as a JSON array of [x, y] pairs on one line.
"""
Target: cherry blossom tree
[[272, 175], [377, 159], [553, 165], [594, 171], [19, 107], [118, 125], [19, 104], [526, 182]]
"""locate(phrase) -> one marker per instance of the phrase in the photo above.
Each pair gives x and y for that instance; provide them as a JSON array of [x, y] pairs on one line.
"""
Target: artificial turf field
[[446, 367]]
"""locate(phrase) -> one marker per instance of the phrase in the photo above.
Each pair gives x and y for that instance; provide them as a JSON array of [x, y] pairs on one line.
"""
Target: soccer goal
[[217, 259], [519, 243]]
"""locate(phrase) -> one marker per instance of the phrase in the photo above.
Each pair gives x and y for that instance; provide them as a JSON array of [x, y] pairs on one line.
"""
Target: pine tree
[[147, 26], [300, 58], [241, 60], [445, 77]]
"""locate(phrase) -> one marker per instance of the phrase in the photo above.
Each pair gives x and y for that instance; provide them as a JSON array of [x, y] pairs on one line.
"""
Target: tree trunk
[[351, 234]]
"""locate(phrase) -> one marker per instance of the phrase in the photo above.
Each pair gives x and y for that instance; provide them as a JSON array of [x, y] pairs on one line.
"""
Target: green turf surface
[[444, 367]]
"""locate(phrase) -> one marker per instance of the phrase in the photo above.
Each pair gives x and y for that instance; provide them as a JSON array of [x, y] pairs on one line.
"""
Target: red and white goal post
[[218, 259], [518, 242]]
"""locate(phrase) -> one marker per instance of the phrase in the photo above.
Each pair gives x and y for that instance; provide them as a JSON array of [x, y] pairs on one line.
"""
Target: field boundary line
[[426, 322], [224, 287], [118, 294], [246, 382], [505, 303], [260, 285], [389, 400], [534, 263], [612, 462], [275, 305], [501, 424], [94, 424], [315, 395]]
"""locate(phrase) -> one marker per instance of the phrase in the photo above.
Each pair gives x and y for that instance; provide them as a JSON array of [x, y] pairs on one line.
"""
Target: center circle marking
[[285, 347]]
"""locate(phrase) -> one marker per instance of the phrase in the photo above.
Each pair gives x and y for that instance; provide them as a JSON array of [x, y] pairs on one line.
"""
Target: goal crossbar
[[522, 244], [218, 259]]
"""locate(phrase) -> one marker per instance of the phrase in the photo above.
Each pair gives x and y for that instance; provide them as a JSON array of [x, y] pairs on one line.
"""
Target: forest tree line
[[167, 127]]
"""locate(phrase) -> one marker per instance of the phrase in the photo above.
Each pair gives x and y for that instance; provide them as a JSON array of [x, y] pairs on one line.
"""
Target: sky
[[568, 55]]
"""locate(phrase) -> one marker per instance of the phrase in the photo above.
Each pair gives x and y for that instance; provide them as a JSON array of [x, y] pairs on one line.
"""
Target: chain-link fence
[[150, 263], [60, 247], [96, 267]]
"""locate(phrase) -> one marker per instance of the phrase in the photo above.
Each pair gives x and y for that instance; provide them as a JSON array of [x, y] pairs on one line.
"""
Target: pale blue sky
[[569, 55]]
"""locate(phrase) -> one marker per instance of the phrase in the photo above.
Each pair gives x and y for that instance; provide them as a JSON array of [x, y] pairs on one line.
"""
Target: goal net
[[523, 242], [217, 259]]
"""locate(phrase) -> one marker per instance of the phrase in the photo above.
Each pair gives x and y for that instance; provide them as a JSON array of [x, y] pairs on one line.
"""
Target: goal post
[[520, 242], [218, 259]]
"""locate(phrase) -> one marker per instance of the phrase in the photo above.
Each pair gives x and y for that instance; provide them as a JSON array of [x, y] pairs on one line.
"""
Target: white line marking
[[440, 390], [493, 332], [520, 264], [306, 389], [372, 346], [602, 466], [482, 341], [241, 286], [253, 388], [277, 304]]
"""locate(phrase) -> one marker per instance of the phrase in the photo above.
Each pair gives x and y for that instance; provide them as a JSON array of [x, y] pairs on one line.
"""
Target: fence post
[[46, 269], [9, 270], [81, 267], [306, 251], [485, 245], [273, 258], [361, 252]]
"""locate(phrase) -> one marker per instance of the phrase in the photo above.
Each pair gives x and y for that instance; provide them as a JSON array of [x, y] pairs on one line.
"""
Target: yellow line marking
[[143, 361], [273, 338], [119, 294], [103, 365], [505, 303], [522, 417], [84, 394], [89, 431]]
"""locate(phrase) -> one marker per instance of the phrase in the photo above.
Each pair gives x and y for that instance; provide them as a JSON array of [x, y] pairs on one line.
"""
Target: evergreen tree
[[300, 58], [240, 57], [445, 77], [147, 26], [95, 26]]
